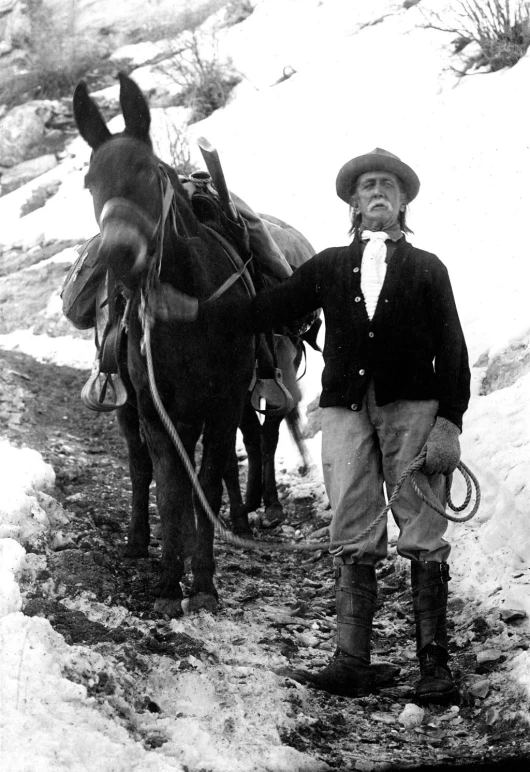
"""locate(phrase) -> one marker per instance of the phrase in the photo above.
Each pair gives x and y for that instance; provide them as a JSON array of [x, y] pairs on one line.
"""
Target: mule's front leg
[[270, 432], [175, 508], [218, 441], [141, 473]]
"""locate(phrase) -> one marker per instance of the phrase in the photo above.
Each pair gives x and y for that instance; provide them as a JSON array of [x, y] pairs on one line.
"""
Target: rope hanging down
[[291, 546]]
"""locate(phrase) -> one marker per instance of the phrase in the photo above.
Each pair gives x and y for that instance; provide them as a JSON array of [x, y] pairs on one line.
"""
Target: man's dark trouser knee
[[429, 595]]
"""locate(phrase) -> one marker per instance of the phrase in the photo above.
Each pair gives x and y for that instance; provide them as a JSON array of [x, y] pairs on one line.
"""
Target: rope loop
[[425, 493]]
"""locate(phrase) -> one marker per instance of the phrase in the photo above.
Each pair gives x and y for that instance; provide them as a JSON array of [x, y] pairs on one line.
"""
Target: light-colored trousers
[[361, 451]]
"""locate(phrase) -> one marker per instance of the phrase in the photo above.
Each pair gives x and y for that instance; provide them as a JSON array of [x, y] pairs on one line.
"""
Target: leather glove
[[443, 448], [171, 305]]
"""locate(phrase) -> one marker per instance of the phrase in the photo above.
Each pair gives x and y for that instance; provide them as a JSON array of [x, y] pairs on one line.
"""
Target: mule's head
[[124, 180]]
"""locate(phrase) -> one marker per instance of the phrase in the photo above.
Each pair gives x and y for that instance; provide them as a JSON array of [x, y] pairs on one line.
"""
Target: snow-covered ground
[[355, 87]]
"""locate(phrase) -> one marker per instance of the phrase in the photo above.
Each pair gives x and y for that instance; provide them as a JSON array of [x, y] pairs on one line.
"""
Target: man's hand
[[171, 305], [443, 448]]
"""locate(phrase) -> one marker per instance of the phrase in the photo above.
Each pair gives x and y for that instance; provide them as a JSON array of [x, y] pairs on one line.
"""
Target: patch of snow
[[65, 351]]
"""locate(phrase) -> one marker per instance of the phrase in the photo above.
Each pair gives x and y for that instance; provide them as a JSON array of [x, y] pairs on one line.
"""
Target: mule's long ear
[[135, 110], [91, 125]]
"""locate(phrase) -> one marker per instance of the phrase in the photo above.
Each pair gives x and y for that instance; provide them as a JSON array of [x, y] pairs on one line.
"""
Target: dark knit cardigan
[[413, 348]]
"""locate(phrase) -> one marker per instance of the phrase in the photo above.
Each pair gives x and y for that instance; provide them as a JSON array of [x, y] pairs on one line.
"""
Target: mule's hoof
[[274, 515], [243, 530], [203, 602], [169, 607], [274, 510]]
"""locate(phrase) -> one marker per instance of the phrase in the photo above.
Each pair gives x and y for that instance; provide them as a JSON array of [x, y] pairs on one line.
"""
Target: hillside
[[319, 81]]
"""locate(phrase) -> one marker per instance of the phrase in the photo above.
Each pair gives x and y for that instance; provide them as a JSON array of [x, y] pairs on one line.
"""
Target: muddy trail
[[281, 603]]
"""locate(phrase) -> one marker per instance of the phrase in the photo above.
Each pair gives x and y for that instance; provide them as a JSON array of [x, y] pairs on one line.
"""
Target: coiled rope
[[290, 546]]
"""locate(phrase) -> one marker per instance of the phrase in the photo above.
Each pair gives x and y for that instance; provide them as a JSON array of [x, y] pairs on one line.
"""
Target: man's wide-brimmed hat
[[378, 160]]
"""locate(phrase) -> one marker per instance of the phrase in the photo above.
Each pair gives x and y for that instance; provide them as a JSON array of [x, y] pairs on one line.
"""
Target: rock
[[19, 174], [146, 52], [451, 714], [23, 128], [488, 655], [506, 367], [107, 98], [383, 718], [161, 81], [511, 615], [53, 509], [15, 24], [479, 689], [491, 716], [61, 541], [411, 716]]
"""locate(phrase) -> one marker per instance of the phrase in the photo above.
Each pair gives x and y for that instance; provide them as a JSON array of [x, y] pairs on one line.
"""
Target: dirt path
[[95, 598]]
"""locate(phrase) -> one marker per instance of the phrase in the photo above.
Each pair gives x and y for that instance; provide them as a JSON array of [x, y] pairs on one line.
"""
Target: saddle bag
[[81, 285]]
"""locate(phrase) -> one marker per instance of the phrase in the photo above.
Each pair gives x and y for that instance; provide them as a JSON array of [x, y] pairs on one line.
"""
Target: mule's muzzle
[[123, 210], [127, 235]]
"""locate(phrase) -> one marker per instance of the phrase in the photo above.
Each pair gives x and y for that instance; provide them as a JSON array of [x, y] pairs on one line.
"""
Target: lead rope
[[290, 546]]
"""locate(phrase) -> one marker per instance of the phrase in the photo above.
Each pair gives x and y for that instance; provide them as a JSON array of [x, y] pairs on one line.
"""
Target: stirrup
[[103, 392], [275, 394]]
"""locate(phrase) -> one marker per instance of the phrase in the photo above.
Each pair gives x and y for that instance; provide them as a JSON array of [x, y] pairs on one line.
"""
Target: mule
[[151, 239]]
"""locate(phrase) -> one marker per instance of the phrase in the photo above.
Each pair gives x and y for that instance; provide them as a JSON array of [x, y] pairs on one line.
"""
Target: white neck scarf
[[373, 268]]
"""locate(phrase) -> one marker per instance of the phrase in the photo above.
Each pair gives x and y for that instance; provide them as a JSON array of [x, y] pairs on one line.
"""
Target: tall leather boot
[[429, 597], [349, 674]]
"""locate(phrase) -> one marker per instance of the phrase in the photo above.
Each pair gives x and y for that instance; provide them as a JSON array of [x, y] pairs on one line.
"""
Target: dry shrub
[[206, 81], [500, 30], [179, 151]]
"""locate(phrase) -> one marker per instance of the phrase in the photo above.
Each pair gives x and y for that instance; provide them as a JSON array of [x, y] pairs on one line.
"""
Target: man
[[396, 380]]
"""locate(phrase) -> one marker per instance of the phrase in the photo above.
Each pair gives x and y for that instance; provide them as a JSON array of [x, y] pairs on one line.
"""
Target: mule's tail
[[294, 423]]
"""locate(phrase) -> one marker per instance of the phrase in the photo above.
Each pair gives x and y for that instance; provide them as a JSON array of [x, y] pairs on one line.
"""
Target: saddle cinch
[[91, 298]]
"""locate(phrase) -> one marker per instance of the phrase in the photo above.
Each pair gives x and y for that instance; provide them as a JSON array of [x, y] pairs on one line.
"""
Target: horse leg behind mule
[[289, 356], [261, 443], [238, 510]]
